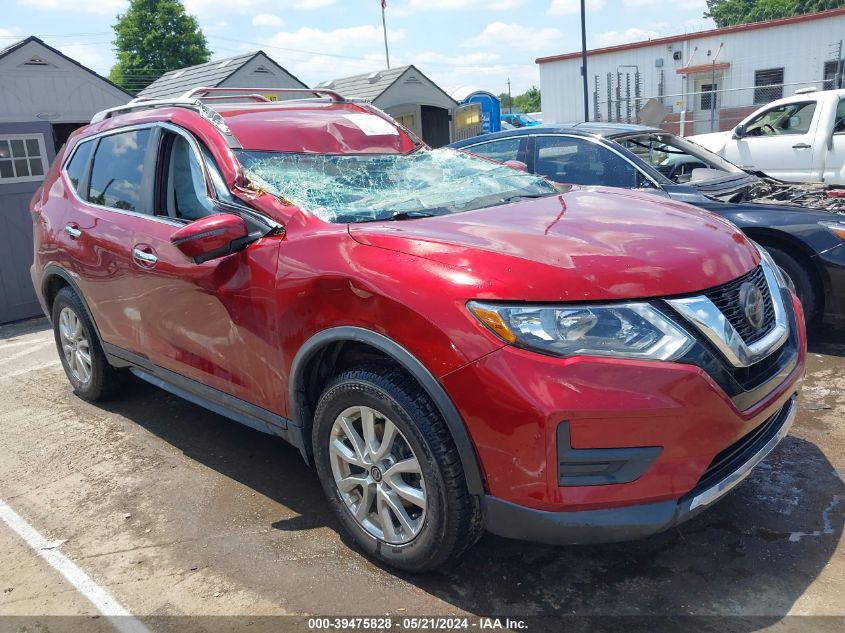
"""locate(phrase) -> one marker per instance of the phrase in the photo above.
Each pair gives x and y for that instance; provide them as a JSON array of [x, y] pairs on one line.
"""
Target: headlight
[[629, 330], [837, 228]]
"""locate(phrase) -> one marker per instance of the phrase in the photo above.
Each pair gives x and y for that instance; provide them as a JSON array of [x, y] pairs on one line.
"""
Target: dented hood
[[586, 244]]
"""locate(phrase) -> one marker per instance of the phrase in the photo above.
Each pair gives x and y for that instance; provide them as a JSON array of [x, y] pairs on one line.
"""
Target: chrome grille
[[726, 299]]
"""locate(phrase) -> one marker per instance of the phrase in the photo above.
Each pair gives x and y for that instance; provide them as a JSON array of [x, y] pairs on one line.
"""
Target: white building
[[715, 77]]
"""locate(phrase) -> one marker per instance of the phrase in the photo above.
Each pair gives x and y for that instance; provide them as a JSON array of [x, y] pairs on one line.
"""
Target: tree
[[528, 101], [152, 37], [730, 12]]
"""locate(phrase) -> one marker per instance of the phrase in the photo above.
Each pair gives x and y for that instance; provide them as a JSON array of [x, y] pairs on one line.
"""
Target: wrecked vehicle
[[454, 345], [801, 225]]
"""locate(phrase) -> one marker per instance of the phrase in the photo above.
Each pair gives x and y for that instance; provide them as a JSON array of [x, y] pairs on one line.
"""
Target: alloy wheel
[[377, 475], [75, 345]]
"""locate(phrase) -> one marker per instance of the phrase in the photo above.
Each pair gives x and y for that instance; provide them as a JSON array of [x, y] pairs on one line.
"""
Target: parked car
[[799, 138], [801, 226], [455, 345], [519, 120]]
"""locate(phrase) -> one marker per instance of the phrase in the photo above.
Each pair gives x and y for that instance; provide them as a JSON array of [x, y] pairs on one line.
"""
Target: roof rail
[[145, 103], [203, 92]]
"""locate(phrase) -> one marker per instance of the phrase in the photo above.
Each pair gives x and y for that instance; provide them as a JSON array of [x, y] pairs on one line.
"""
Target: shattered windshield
[[364, 188]]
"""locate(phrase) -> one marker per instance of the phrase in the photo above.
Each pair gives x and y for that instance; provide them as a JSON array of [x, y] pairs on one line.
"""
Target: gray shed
[[408, 96], [44, 96], [250, 70]]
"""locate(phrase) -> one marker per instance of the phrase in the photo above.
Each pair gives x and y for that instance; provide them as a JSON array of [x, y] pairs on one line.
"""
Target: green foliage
[[529, 101], [152, 37], [730, 12]]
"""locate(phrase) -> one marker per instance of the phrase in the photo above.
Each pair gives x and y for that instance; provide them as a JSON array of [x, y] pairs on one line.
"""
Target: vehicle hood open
[[585, 244], [714, 141]]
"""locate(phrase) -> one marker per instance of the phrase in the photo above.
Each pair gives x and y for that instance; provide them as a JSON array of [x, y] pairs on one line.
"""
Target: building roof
[[370, 86], [13, 47], [738, 28], [210, 74]]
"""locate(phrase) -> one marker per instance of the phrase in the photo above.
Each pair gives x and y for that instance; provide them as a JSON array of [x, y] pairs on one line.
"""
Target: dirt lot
[[176, 511]]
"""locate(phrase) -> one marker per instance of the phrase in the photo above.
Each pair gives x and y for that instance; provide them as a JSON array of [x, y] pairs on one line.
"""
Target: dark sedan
[[802, 226]]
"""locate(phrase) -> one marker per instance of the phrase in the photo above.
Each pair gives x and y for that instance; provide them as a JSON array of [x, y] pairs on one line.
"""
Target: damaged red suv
[[454, 344]]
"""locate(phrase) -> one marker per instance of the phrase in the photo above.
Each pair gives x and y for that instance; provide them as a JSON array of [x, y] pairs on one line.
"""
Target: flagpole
[[384, 26]]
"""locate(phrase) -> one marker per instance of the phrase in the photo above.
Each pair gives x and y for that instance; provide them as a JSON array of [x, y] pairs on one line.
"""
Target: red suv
[[454, 344]]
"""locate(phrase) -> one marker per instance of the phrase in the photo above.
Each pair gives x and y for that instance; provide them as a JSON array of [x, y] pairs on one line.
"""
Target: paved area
[[176, 511]]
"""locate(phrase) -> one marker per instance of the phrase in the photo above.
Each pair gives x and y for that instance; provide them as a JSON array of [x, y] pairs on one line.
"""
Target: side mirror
[[211, 237], [516, 164], [739, 132]]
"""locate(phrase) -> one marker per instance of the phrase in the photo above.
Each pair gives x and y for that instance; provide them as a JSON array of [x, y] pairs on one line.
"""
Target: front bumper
[[632, 522]]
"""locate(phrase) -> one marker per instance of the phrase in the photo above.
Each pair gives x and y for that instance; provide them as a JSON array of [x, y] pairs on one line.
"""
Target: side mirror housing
[[739, 132], [211, 237]]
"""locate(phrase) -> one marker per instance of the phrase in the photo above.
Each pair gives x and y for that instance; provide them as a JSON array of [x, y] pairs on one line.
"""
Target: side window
[[77, 168], [184, 194], [502, 150], [839, 121], [793, 118], [117, 175], [578, 161]]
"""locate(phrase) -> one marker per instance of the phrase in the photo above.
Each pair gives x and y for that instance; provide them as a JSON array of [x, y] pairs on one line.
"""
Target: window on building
[[117, 173], [22, 158], [708, 96], [768, 85], [406, 120], [830, 74]]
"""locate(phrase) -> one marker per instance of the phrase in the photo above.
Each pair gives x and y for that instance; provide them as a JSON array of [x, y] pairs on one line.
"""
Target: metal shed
[[408, 96], [250, 70], [44, 96]]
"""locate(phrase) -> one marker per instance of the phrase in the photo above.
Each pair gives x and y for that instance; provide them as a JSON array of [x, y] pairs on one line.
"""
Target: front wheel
[[801, 280], [390, 470]]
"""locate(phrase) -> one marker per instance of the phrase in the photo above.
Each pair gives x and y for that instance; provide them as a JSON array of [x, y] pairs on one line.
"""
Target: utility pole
[[584, 60], [510, 98], [384, 26], [839, 69]]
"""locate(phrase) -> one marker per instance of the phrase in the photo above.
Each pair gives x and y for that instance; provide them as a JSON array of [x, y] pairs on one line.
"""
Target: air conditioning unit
[[677, 56]]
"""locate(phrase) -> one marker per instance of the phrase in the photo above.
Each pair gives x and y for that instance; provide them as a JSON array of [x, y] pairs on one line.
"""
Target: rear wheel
[[390, 470], [85, 364], [801, 280]]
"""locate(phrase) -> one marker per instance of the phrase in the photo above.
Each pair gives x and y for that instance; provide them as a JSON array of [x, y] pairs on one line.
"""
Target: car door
[[213, 322], [108, 185], [584, 161], [834, 165], [779, 141]]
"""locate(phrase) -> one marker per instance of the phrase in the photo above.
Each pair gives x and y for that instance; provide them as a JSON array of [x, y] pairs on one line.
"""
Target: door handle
[[801, 146], [143, 256], [72, 231]]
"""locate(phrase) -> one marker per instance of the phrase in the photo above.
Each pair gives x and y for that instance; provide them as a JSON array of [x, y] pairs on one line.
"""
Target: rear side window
[[501, 150], [77, 167], [117, 176], [581, 162]]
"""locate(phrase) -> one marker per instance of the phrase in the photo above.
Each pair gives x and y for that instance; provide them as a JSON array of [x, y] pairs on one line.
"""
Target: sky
[[478, 43]]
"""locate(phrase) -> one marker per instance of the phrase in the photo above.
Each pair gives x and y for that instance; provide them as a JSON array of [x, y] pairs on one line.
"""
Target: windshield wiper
[[402, 215], [527, 196]]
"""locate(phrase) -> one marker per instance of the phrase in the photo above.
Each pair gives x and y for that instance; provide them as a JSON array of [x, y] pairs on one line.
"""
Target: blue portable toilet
[[491, 107]]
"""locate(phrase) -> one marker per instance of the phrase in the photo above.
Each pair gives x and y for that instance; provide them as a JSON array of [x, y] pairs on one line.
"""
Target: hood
[[715, 141], [586, 244]]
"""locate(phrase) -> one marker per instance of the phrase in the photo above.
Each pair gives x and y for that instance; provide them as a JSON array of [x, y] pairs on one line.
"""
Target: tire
[[801, 280], [75, 335], [448, 524]]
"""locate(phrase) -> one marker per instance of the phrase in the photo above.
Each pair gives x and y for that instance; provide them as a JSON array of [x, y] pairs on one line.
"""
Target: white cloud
[[216, 8], [614, 38], [339, 41], [635, 4], [268, 19], [88, 6], [515, 37], [312, 4], [86, 54], [459, 5], [572, 7], [9, 35]]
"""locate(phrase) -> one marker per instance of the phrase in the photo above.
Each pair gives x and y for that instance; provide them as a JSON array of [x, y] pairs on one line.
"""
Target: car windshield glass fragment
[[364, 188]]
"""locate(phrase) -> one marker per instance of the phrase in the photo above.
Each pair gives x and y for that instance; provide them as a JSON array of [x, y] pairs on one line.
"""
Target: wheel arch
[[326, 341], [53, 280], [800, 251]]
